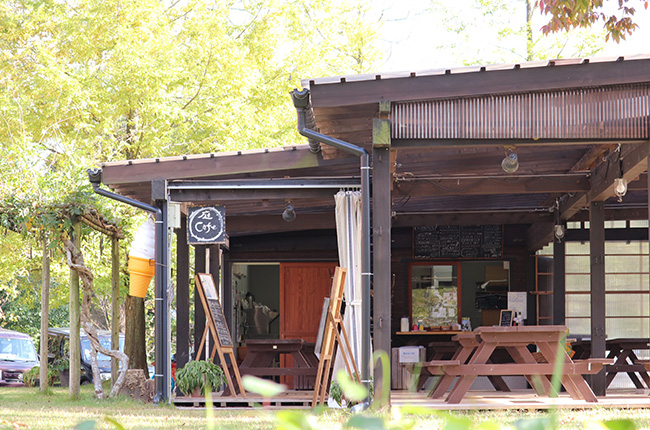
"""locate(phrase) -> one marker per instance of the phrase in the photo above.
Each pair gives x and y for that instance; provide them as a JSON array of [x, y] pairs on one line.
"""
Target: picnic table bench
[[263, 354], [623, 352], [474, 359]]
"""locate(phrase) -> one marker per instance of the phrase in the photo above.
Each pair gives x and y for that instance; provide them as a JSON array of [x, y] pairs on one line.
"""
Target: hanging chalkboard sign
[[214, 308], [452, 241], [206, 225]]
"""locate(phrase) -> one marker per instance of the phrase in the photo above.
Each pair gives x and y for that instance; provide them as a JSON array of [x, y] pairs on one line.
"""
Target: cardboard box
[[411, 354], [401, 371]]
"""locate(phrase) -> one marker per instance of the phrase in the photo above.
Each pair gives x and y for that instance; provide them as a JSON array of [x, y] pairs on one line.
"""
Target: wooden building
[[453, 212]]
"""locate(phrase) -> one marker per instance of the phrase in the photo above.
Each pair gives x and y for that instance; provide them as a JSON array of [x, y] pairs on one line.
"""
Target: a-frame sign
[[216, 324]]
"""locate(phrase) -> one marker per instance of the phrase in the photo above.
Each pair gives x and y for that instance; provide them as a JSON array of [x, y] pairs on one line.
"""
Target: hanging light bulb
[[620, 188], [510, 163], [289, 213]]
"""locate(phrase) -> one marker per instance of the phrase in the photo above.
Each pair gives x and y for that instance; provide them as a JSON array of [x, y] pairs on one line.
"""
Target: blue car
[[58, 346]]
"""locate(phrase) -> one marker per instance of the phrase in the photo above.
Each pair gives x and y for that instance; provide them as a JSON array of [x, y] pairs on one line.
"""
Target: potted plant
[[195, 376]]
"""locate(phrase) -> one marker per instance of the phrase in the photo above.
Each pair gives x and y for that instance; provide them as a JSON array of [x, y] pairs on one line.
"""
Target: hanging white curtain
[[348, 232]]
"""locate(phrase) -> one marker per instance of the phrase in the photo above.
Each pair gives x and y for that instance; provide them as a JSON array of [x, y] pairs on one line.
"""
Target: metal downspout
[[162, 371], [301, 102]]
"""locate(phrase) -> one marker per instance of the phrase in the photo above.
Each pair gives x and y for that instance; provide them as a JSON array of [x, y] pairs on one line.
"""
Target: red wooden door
[[303, 286]]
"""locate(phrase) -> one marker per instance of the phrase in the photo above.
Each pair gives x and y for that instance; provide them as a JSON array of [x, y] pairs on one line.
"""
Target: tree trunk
[[75, 321], [76, 262], [134, 342], [115, 304], [45, 308]]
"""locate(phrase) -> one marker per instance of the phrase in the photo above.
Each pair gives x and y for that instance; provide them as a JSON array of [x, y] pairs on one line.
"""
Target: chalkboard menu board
[[505, 318], [206, 225], [454, 241], [214, 308]]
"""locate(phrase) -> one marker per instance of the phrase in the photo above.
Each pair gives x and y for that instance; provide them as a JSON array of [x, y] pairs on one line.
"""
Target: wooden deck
[[474, 400]]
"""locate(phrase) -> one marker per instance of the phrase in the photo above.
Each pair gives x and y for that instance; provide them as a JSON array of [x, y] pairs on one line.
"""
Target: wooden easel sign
[[216, 324], [331, 337]]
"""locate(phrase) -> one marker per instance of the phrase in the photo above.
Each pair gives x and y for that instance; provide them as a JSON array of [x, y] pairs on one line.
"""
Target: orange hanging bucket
[[142, 270]]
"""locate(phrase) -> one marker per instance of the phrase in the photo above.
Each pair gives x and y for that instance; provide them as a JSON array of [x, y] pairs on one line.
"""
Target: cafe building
[[519, 187]]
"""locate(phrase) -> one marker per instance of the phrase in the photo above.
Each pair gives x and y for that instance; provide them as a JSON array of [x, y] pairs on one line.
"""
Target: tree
[[568, 14], [505, 31], [86, 82]]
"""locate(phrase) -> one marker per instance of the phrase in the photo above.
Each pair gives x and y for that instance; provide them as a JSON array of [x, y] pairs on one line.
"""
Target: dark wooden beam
[[467, 143], [482, 186], [199, 312], [559, 282], [182, 296], [465, 82], [242, 225], [256, 195], [381, 253], [497, 217], [539, 235], [633, 160], [634, 163], [597, 257]]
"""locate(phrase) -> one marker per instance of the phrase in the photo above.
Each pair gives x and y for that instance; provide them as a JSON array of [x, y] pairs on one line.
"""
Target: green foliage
[[31, 377], [87, 82], [568, 14], [199, 374], [509, 33]]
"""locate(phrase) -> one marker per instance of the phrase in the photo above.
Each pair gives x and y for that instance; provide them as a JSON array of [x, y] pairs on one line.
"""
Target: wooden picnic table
[[473, 360], [263, 359], [622, 351]]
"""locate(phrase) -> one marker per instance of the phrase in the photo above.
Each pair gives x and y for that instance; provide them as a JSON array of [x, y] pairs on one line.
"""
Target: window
[[434, 294]]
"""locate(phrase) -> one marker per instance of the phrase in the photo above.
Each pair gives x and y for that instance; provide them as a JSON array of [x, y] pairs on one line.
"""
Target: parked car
[[17, 356], [58, 346]]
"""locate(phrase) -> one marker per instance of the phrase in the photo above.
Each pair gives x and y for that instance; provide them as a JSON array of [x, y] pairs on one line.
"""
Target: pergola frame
[[437, 181]]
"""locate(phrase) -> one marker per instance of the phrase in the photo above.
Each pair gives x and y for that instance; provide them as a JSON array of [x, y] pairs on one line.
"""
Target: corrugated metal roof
[[307, 83]]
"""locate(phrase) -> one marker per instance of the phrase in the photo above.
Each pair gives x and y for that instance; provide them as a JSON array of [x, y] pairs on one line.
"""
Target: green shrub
[[199, 375], [31, 378]]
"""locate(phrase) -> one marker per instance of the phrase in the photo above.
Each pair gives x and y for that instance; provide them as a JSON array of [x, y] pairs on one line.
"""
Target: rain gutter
[[162, 356], [302, 103]]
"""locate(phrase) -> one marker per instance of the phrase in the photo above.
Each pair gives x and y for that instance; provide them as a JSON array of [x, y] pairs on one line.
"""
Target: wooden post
[[75, 319], [45, 308], [199, 313], [381, 250], [182, 296], [559, 281], [115, 304], [597, 251]]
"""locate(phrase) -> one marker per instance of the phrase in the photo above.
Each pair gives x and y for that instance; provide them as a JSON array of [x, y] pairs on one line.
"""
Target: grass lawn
[[27, 408]]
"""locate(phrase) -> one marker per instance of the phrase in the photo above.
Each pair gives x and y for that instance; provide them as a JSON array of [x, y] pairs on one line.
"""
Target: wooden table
[[622, 351], [263, 355], [466, 344], [422, 337], [473, 360]]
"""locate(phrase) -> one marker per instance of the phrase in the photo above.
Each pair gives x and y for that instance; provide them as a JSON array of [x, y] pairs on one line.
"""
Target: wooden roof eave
[[215, 165], [482, 81]]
